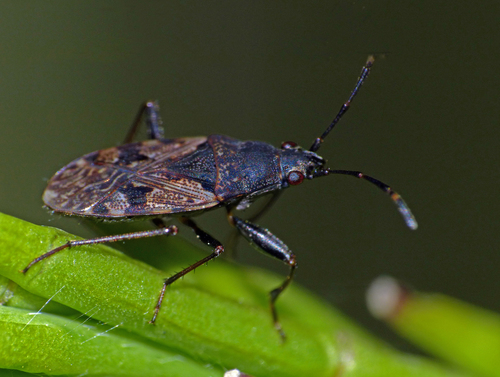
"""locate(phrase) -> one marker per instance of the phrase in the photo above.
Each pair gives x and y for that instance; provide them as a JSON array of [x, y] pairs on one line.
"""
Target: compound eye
[[288, 145], [295, 177]]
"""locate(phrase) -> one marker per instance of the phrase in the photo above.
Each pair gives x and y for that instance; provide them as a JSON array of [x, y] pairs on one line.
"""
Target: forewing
[[136, 179]]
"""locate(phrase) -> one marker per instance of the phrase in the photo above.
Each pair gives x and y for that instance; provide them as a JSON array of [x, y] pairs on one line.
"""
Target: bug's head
[[298, 164]]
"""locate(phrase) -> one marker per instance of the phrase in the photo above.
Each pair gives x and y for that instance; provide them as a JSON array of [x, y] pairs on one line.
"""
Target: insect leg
[[271, 245], [171, 230], [232, 242], [151, 112], [204, 237]]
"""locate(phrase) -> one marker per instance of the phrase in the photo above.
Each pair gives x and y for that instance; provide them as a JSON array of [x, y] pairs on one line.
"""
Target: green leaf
[[217, 318], [45, 343]]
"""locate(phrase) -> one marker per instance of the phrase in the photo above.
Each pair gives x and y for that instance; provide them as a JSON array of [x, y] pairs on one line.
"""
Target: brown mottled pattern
[[129, 180], [228, 162]]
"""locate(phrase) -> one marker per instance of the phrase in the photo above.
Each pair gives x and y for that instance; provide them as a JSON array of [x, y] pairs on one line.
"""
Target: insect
[[184, 177]]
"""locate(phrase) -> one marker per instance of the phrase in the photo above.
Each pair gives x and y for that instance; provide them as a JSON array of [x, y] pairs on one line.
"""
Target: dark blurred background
[[427, 121]]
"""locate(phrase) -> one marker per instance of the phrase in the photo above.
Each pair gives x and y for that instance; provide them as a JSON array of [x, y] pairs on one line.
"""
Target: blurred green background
[[427, 121]]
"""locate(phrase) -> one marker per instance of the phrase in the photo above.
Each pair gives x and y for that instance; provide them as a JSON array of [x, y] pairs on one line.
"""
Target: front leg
[[271, 245]]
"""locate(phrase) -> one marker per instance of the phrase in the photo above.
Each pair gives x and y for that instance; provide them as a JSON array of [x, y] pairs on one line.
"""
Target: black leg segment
[[150, 112], [204, 237], [271, 245]]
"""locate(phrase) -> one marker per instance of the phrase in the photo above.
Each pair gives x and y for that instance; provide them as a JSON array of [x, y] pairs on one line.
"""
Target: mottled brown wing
[[130, 180]]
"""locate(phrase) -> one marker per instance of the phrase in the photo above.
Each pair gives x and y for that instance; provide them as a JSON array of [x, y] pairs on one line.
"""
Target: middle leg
[[271, 245], [204, 237]]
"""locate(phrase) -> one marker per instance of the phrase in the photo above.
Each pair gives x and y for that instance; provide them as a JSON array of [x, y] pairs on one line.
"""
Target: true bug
[[182, 177]]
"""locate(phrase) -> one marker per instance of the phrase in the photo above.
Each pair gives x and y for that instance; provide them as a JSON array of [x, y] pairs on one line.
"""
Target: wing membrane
[[149, 178]]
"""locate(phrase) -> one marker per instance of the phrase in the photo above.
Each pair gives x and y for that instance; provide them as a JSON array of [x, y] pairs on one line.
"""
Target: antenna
[[361, 79], [403, 208]]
